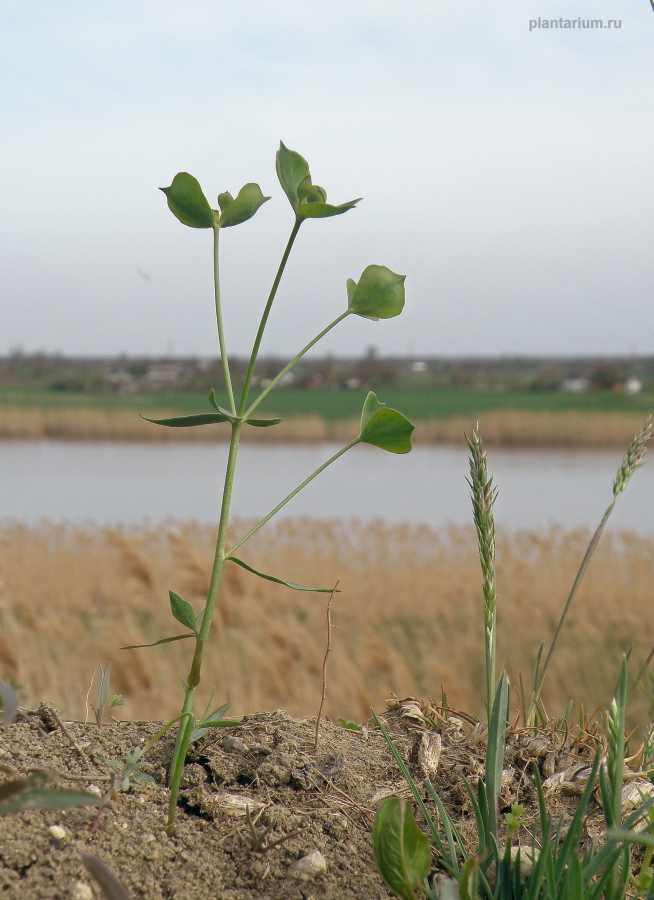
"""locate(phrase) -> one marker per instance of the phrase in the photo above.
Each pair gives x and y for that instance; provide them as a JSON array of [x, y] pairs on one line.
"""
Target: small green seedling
[[378, 294], [103, 695]]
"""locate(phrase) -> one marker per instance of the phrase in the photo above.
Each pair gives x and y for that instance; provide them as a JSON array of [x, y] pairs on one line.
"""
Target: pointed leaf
[[188, 203], [401, 850], [48, 798], [177, 637], [112, 887], [370, 406], [243, 206], [182, 610], [263, 423], [224, 200], [379, 294], [383, 427], [9, 703], [190, 421], [292, 170], [214, 403], [291, 584], [103, 691], [325, 211]]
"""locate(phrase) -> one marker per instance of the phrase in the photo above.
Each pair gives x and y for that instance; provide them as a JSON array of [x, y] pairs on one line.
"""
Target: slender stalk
[[632, 461], [297, 357], [290, 497], [264, 318], [219, 320], [184, 733]]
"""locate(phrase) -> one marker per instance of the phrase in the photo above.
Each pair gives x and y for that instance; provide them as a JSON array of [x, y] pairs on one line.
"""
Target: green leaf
[[292, 170], [9, 703], [325, 211], [401, 850], [103, 691], [379, 294], [224, 200], [263, 423], [47, 798], [182, 610], [188, 203], [242, 207], [112, 886], [177, 637], [495, 750], [291, 584], [469, 880], [383, 427], [190, 421]]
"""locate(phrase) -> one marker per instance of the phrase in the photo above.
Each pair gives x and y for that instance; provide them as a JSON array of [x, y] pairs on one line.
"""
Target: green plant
[[558, 868], [378, 294], [103, 696]]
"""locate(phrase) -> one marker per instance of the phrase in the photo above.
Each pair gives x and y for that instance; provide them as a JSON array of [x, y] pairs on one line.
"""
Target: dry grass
[[409, 618], [502, 428]]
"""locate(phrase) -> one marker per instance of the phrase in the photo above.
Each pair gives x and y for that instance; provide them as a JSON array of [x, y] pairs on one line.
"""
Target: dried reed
[[409, 619], [501, 428]]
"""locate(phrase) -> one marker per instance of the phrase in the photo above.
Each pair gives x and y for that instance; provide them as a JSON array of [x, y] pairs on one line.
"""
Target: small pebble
[[94, 789], [81, 891], [234, 745], [57, 832], [147, 838], [310, 866]]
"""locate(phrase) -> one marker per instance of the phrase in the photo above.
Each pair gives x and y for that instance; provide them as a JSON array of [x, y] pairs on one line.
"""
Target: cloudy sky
[[508, 172]]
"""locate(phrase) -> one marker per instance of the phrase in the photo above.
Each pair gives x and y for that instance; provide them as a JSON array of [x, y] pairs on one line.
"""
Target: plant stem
[[219, 320], [298, 356], [184, 733], [573, 591], [290, 497], [264, 317]]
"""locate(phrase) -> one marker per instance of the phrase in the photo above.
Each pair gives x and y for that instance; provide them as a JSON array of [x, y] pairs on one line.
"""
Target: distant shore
[[500, 428]]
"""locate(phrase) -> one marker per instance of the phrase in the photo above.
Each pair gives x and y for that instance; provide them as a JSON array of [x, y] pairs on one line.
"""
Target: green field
[[419, 404]]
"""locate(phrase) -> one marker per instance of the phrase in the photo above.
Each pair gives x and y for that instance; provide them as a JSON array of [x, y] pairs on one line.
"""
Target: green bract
[[307, 199], [188, 203], [383, 427], [379, 294], [242, 207]]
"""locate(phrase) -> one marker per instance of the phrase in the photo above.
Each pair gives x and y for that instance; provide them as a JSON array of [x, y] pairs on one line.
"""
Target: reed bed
[[502, 428], [408, 621]]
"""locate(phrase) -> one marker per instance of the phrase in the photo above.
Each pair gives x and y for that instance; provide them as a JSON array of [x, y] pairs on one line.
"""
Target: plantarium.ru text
[[378, 294]]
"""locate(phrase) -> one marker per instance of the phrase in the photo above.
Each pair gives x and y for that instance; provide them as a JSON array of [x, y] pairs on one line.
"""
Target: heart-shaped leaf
[[290, 584], [188, 203], [242, 207], [401, 850], [325, 210], [292, 171], [190, 421], [182, 610], [379, 293], [385, 428]]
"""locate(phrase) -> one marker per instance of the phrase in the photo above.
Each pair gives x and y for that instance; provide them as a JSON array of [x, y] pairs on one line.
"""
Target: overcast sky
[[508, 173]]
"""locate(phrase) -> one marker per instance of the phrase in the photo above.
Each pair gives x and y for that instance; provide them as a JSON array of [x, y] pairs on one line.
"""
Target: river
[[127, 483]]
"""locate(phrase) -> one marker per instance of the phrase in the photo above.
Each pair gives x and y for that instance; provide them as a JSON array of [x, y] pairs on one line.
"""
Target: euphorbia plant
[[378, 294]]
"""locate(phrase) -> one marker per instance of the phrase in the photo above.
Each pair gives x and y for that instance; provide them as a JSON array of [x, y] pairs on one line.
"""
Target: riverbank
[[500, 427]]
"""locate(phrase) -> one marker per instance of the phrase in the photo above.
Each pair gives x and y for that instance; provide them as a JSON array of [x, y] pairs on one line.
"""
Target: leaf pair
[[307, 199], [187, 202], [185, 615]]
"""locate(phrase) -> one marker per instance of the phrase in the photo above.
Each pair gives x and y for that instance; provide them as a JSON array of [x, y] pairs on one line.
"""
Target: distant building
[[576, 385], [163, 373], [633, 386]]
